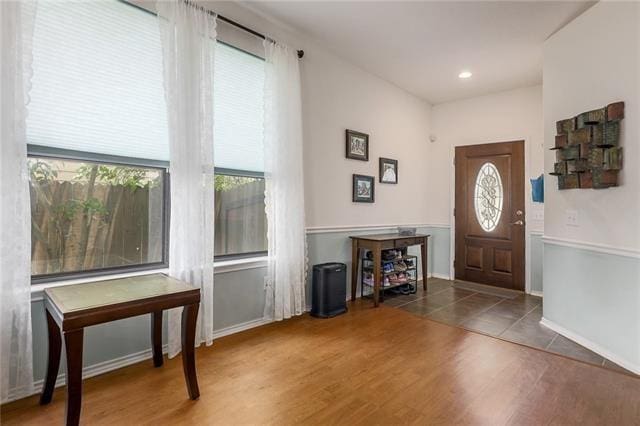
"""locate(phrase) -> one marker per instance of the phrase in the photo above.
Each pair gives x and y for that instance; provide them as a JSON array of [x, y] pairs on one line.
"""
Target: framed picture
[[357, 145], [363, 189], [388, 170]]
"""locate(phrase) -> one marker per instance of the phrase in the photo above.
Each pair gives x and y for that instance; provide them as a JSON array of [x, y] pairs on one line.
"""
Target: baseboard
[[536, 293], [126, 360], [591, 346], [240, 327], [441, 276]]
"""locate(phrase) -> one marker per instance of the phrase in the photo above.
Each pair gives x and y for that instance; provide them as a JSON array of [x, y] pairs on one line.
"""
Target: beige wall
[[590, 63], [499, 117], [337, 96]]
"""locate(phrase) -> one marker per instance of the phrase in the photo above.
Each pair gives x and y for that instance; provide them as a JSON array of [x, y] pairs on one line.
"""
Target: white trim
[[598, 248], [441, 276], [536, 233], [232, 329], [591, 345], [351, 228], [125, 360], [240, 264], [220, 267], [536, 293]]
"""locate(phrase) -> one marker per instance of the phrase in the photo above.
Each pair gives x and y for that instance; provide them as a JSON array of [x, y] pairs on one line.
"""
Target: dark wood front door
[[489, 214]]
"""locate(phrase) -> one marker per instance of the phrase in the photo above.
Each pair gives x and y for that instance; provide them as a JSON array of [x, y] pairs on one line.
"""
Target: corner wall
[[592, 271]]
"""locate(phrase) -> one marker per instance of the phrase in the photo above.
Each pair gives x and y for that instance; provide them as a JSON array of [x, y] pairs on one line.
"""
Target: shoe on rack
[[402, 277], [400, 266], [387, 267], [388, 255], [386, 282], [405, 289], [409, 263], [368, 279], [393, 278]]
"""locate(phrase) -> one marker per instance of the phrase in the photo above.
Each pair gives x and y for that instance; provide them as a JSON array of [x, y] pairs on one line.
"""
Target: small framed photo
[[388, 170], [357, 145], [363, 189]]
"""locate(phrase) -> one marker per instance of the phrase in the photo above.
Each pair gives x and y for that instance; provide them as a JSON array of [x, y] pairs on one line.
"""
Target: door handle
[[517, 222]]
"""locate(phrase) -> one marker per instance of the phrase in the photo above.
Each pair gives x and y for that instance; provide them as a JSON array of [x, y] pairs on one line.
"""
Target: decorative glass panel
[[488, 197]]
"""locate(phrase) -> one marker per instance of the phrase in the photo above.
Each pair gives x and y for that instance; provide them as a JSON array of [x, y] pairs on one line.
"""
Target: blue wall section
[[596, 296], [536, 259]]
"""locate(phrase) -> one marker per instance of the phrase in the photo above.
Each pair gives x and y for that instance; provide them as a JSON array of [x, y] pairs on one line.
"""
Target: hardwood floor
[[370, 366]]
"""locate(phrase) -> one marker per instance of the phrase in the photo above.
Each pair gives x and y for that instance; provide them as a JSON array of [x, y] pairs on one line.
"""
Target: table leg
[[53, 364], [425, 266], [156, 338], [189, 319], [73, 349], [377, 265], [355, 264]]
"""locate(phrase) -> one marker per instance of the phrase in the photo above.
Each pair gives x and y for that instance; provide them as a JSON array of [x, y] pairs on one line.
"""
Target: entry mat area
[[505, 314]]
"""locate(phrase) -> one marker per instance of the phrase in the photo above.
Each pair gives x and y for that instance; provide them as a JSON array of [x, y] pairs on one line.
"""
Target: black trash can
[[329, 290]]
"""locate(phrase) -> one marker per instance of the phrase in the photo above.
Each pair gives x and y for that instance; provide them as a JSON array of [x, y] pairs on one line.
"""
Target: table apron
[[99, 315]]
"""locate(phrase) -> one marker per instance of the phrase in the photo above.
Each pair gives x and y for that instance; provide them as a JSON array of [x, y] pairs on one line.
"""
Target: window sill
[[223, 267]]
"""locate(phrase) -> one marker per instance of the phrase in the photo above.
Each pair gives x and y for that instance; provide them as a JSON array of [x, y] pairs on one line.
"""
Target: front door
[[489, 214]]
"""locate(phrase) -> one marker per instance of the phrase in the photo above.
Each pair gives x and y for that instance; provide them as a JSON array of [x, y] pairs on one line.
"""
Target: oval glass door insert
[[488, 197]]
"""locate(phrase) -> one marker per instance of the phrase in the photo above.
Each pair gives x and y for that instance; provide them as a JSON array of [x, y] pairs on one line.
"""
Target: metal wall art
[[587, 151]]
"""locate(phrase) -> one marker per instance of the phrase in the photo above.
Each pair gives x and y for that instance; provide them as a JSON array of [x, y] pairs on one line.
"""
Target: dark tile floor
[[505, 314]]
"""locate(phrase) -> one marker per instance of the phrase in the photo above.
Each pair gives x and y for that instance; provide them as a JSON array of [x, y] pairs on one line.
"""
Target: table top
[[79, 297], [386, 237]]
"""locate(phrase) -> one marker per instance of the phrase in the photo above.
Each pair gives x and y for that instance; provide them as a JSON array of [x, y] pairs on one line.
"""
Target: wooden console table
[[376, 244], [71, 308]]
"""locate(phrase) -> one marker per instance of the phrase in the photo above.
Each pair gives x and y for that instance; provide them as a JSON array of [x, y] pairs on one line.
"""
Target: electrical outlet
[[572, 218]]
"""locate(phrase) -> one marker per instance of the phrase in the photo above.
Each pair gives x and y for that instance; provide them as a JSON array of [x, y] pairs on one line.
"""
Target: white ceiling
[[423, 46]]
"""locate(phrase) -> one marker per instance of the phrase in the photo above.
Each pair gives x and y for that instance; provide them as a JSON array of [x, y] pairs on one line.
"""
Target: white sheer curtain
[[16, 33], [284, 184], [188, 42]]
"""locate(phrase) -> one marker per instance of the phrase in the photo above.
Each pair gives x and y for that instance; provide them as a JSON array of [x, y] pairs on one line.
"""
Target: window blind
[[97, 80], [97, 86], [238, 88]]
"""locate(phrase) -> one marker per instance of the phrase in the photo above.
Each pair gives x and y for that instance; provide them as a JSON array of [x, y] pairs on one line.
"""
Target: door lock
[[519, 213], [518, 222]]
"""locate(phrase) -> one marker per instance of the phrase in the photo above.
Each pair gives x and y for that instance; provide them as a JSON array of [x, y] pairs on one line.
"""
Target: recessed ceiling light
[[465, 74]]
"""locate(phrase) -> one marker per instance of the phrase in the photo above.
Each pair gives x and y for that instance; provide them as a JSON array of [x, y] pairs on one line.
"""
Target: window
[[488, 197], [241, 224], [88, 216], [97, 106]]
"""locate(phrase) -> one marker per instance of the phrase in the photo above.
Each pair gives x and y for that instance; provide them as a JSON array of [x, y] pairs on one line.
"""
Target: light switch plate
[[538, 215], [572, 218]]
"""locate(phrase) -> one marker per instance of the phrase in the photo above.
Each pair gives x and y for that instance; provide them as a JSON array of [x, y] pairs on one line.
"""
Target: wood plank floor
[[370, 366]]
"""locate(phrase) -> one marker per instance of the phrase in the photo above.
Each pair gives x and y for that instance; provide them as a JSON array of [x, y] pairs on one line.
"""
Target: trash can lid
[[330, 265]]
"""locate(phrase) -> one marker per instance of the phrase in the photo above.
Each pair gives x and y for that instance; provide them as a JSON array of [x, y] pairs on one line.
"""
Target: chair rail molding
[[594, 247], [356, 228]]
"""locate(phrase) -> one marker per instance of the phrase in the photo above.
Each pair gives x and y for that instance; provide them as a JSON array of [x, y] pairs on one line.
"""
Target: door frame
[[528, 202]]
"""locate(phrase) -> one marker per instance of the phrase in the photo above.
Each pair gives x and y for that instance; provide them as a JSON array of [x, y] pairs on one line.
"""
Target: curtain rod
[[237, 25]]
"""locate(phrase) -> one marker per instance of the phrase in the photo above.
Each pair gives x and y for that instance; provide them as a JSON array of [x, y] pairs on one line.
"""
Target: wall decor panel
[[587, 151]]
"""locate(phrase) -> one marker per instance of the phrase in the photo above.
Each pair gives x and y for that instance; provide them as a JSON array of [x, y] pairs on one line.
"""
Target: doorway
[[490, 214]]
